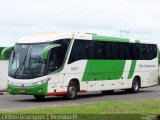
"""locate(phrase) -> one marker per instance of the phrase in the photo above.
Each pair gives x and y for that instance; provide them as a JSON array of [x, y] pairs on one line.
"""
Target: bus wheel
[[107, 92], [39, 97], [135, 86], [71, 91]]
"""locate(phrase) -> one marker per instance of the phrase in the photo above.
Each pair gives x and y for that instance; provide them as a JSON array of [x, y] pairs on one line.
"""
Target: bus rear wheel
[[135, 86], [71, 91], [39, 97]]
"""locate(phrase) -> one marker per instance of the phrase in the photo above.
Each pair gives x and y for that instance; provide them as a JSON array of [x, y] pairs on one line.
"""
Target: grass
[[111, 107], [118, 109]]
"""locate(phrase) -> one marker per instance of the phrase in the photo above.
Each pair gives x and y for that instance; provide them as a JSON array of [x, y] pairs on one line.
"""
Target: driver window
[[55, 59], [52, 60]]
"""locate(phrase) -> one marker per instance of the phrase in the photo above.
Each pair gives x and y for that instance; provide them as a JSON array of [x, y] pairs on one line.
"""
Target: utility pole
[[124, 33]]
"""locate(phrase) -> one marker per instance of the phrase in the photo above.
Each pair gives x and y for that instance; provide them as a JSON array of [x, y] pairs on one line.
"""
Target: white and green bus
[[67, 63]]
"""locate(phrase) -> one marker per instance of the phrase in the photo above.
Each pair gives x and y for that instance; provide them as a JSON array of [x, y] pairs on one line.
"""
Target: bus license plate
[[22, 91]]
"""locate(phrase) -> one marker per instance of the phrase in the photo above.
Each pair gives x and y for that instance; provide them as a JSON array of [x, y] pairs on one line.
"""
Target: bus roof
[[44, 37], [52, 36]]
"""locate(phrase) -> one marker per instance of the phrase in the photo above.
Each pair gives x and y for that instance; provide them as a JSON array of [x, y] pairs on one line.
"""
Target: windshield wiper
[[21, 66]]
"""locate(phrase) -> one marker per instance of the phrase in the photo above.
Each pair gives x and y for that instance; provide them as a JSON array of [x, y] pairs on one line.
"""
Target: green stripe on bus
[[132, 68], [107, 38], [103, 70]]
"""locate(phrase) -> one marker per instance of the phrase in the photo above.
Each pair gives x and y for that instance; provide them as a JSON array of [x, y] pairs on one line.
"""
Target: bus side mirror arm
[[4, 51]]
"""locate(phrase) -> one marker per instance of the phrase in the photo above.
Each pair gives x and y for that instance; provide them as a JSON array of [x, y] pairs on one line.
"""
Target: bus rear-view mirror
[[6, 53], [47, 49]]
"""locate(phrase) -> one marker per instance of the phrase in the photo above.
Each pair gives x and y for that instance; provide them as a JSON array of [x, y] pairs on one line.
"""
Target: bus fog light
[[40, 90], [9, 82]]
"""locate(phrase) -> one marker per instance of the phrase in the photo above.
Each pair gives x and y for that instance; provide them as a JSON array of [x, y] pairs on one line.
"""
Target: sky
[[18, 18]]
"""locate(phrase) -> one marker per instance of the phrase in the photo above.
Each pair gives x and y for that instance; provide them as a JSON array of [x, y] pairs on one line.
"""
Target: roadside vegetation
[[159, 66], [110, 107], [121, 110], [159, 57]]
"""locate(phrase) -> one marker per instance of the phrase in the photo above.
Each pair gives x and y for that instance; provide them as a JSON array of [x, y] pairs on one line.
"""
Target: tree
[[159, 56]]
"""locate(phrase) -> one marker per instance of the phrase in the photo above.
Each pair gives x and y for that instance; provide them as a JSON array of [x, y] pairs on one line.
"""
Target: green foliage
[[110, 110], [159, 57], [150, 106]]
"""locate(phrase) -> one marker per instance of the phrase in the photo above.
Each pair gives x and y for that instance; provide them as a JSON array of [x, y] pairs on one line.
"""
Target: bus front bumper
[[41, 89]]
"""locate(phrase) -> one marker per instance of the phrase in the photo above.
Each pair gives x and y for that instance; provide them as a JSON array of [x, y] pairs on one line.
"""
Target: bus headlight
[[10, 83], [43, 81], [38, 83]]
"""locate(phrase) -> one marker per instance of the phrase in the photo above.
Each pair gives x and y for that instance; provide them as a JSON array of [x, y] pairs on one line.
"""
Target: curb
[[3, 93]]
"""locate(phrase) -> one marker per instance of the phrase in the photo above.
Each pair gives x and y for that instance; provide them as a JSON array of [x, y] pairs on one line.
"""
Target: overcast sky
[[24, 17]]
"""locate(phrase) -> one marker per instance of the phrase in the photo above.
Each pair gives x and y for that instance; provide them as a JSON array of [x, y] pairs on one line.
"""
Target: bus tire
[[72, 91], [39, 97], [107, 92], [135, 86]]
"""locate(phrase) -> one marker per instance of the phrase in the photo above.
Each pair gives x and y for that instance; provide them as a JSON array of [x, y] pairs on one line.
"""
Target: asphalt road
[[10, 102]]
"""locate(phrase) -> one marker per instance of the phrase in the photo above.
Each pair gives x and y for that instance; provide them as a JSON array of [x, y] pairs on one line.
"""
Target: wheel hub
[[72, 91]]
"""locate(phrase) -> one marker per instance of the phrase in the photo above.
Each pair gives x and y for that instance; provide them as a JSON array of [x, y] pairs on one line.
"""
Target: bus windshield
[[27, 62]]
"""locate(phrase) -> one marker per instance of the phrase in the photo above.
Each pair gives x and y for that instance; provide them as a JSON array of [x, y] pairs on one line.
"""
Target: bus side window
[[115, 51], [141, 52], [151, 51], [106, 50], [95, 50], [91, 51], [133, 51], [73, 55], [79, 51], [154, 51], [121, 51], [127, 52]]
